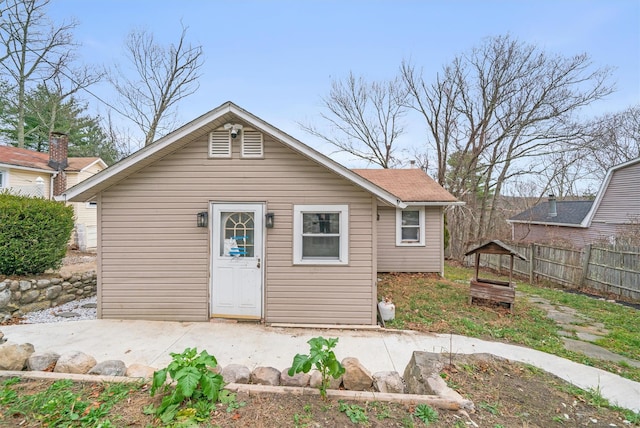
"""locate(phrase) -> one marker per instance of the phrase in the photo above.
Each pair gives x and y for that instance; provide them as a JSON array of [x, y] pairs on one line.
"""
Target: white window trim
[[298, 210], [4, 183], [399, 241]]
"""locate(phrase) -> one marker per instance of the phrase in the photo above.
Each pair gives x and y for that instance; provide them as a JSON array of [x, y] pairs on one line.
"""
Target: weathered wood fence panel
[[610, 270], [615, 271]]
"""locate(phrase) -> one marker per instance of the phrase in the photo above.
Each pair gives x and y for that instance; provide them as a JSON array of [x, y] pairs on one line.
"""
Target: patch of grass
[[303, 420], [592, 396], [381, 410], [65, 403], [429, 303], [490, 407], [426, 414]]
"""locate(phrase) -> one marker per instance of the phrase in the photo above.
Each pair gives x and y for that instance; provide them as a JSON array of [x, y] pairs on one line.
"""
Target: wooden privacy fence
[[611, 270]]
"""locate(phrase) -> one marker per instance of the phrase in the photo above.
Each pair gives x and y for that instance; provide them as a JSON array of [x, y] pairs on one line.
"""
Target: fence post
[[586, 256], [532, 259]]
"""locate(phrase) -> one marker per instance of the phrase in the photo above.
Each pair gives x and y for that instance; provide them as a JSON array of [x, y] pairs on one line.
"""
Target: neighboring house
[[230, 217], [578, 223], [32, 173]]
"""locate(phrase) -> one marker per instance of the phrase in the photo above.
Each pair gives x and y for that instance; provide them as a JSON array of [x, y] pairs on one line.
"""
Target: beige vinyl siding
[[392, 258], [24, 181], [85, 231], [155, 261]]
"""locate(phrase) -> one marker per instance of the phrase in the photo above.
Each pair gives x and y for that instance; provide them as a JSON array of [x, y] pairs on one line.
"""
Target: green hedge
[[34, 234]]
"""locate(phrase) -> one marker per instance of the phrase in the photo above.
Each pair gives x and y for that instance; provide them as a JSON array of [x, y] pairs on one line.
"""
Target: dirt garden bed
[[505, 394]]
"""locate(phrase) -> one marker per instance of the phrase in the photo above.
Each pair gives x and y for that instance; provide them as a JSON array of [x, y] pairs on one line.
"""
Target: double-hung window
[[321, 234], [410, 226], [3, 179]]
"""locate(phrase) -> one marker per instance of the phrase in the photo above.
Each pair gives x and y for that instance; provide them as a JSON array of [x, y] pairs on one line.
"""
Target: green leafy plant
[[193, 379], [228, 398], [34, 233], [322, 357], [426, 414], [355, 413]]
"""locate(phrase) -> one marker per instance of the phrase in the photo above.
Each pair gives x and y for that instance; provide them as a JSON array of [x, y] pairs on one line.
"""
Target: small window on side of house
[[410, 226], [220, 144], [92, 204], [3, 179], [321, 234], [252, 144]]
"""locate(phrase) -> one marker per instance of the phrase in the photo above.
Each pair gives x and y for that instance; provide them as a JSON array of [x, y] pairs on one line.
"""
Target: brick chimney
[[58, 149]]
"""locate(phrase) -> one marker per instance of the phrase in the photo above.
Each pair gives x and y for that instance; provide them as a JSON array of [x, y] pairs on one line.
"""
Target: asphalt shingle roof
[[408, 185], [30, 159], [569, 212]]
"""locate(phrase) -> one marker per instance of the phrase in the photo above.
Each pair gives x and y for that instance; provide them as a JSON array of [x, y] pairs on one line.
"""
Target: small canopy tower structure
[[493, 289]]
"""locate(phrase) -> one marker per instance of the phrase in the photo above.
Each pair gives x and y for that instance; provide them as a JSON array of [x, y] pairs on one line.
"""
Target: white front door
[[236, 258]]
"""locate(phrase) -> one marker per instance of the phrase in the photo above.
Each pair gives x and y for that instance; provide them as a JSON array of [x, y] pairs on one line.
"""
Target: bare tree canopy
[[163, 76], [34, 50], [364, 119], [615, 140], [500, 108]]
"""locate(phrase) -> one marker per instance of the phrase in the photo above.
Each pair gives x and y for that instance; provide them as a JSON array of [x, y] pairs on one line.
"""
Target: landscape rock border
[[361, 384]]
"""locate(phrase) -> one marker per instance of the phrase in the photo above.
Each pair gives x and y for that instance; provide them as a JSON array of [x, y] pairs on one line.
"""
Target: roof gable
[[603, 189], [409, 185], [201, 126]]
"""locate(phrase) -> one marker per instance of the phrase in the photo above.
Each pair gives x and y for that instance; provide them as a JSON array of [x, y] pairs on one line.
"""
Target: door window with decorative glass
[[321, 234], [238, 231]]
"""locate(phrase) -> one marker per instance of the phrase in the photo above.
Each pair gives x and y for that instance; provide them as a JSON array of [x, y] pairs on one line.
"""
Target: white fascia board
[[97, 161], [435, 204], [542, 223], [25, 168]]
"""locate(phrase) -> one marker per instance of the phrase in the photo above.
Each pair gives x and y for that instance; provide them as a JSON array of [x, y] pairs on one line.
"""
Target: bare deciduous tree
[[499, 108], [33, 47], [162, 77], [364, 119], [615, 139]]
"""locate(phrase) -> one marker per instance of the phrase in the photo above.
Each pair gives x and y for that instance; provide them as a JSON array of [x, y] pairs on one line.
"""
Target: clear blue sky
[[277, 58]]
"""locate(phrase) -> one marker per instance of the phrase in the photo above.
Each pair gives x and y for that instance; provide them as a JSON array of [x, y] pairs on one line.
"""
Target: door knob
[[258, 265]]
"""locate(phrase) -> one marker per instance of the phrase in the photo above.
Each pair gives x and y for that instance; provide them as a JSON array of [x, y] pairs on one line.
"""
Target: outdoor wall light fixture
[[269, 220], [203, 219]]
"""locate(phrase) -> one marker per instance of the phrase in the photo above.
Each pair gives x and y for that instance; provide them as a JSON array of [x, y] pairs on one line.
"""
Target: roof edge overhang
[[434, 203], [97, 161], [543, 223], [26, 168], [86, 189]]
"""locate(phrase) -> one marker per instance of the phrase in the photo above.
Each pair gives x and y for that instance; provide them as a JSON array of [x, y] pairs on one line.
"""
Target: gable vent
[[252, 144], [220, 144]]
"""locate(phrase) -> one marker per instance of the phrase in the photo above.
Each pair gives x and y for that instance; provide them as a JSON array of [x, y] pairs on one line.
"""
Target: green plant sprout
[[321, 357]]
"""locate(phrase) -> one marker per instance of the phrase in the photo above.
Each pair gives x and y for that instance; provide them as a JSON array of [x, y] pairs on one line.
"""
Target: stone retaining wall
[[19, 296]]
